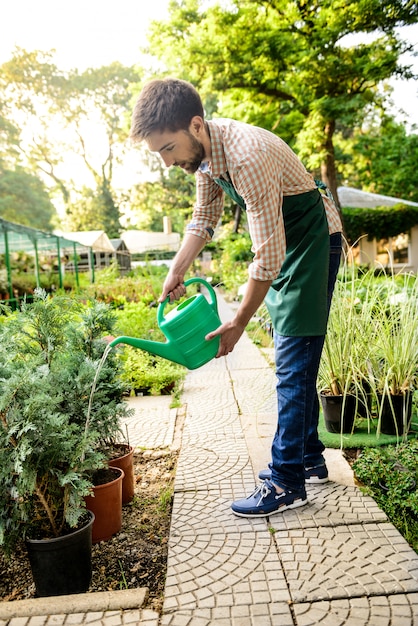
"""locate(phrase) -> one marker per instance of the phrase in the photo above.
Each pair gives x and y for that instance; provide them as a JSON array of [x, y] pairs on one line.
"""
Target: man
[[296, 240]]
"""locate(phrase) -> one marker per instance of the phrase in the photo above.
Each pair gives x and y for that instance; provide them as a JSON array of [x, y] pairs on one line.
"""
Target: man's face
[[180, 149]]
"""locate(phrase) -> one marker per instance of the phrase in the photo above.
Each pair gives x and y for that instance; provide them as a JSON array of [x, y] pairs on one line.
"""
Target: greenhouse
[[31, 258]]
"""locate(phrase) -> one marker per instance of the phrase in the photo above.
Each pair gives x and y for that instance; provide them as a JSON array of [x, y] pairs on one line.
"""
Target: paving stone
[[357, 560], [255, 391], [257, 615], [330, 504], [392, 610], [56, 620], [208, 512], [202, 468], [213, 427], [74, 618], [149, 411], [203, 561]]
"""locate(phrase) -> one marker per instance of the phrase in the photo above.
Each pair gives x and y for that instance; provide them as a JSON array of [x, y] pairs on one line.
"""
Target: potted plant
[[337, 376], [393, 354], [50, 437], [44, 456], [104, 413]]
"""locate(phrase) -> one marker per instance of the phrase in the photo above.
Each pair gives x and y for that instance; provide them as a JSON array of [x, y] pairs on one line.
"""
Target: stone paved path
[[336, 561]]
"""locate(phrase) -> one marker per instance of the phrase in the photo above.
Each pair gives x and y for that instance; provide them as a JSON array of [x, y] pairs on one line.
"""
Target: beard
[[197, 154]]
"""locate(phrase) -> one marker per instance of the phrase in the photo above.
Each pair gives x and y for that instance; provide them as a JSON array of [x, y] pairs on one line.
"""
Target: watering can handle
[[196, 279]]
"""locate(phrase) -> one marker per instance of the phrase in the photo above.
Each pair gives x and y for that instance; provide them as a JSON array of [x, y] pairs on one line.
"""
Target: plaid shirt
[[262, 169]]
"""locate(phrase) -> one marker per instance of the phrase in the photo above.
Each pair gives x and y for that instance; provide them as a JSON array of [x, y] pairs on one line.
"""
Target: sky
[[84, 33]]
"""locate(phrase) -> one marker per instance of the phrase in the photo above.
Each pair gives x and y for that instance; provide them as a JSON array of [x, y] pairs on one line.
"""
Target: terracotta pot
[[106, 504], [335, 420], [126, 463], [62, 565]]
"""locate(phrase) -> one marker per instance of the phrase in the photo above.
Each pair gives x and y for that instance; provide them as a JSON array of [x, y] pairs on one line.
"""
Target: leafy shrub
[[141, 370], [390, 476], [144, 372], [379, 222]]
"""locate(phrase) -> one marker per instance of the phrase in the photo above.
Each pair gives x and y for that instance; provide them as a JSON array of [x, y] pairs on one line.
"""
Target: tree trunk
[[328, 170], [237, 218]]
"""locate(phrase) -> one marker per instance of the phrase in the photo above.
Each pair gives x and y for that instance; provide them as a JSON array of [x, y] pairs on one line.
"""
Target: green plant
[[49, 357], [145, 372], [231, 265], [337, 370], [82, 365], [140, 370], [390, 476], [392, 354], [379, 222], [45, 456]]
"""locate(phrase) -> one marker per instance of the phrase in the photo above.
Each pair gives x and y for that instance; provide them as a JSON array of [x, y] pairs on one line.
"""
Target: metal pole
[[8, 268], [38, 278], [76, 264], [92, 259], [60, 281]]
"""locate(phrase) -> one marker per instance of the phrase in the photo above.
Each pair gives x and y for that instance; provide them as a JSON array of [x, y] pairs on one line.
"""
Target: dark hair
[[165, 104]]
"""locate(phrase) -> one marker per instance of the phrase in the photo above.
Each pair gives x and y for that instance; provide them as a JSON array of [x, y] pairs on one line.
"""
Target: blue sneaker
[[316, 474], [266, 501]]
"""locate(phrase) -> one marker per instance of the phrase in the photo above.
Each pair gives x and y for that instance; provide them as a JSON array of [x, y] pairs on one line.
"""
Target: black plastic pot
[[364, 401], [62, 565], [393, 411], [337, 421]]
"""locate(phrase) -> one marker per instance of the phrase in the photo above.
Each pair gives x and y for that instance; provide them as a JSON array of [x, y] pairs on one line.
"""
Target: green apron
[[297, 298]]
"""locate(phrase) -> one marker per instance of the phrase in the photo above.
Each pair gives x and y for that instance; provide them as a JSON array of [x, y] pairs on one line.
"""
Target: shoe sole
[[284, 507], [315, 480], [311, 480]]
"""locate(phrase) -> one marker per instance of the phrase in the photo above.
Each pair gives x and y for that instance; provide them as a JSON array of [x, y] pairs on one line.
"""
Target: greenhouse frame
[[15, 238]]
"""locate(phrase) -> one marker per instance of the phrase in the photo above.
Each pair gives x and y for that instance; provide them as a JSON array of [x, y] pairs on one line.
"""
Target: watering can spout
[[165, 350]]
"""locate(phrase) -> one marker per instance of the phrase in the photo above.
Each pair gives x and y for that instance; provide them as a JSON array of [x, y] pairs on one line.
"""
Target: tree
[[82, 114], [171, 194], [24, 199], [382, 158], [283, 64]]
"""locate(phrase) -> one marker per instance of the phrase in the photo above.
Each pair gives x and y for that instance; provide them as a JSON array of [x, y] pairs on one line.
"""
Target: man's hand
[[230, 333], [173, 288]]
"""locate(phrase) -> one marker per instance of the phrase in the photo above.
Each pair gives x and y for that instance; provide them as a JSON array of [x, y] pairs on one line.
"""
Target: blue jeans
[[296, 443]]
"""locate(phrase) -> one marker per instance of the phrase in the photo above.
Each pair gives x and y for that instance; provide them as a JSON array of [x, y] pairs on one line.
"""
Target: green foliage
[[337, 370], [49, 357], [232, 259], [380, 222], [146, 373], [143, 284], [381, 158], [143, 371], [24, 199], [285, 65], [371, 346], [173, 194], [392, 335], [391, 477]]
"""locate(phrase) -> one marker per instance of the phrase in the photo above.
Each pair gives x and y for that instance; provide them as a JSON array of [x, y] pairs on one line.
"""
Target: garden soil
[[134, 557]]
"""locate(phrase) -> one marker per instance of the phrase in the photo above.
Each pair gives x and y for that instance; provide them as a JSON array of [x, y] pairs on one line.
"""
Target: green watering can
[[185, 328]]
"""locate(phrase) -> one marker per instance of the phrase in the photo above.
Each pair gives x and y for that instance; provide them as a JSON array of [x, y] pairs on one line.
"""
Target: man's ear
[[197, 127]]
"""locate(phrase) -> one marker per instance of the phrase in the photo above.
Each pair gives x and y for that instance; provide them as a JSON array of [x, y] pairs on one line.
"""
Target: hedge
[[380, 222]]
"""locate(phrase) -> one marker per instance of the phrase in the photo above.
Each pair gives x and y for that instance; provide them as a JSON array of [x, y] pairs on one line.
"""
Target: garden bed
[[136, 556]]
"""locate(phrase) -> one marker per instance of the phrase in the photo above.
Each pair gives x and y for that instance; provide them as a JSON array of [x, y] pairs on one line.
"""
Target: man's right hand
[[173, 288]]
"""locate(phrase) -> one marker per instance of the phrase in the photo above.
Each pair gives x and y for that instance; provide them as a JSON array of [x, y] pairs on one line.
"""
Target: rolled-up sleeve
[[208, 208]]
